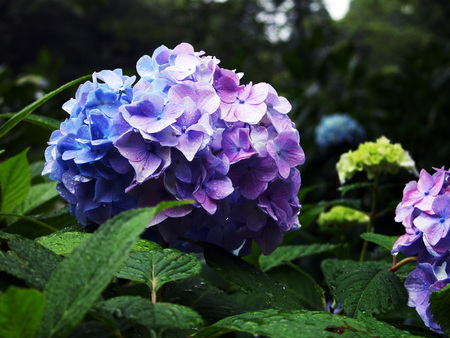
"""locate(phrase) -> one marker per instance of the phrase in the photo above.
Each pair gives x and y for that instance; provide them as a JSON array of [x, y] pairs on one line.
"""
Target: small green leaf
[[439, 305], [157, 267], [80, 278], [13, 121], [29, 261], [348, 187], [250, 279], [300, 323], [364, 286], [15, 180], [288, 253], [156, 317], [386, 242], [20, 312], [309, 214]]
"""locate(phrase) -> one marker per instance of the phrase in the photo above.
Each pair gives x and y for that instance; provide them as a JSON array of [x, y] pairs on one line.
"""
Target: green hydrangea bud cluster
[[375, 158], [342, 216]]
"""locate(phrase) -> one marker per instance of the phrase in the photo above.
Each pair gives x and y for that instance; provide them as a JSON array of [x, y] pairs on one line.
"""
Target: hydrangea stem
[[373, 208], [403, 262]]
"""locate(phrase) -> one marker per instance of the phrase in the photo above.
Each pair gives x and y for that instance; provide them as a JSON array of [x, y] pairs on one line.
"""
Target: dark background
[[386, 63]]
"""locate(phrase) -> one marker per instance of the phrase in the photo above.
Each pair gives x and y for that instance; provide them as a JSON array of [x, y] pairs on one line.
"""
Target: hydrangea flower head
[[425, 213], [342, 215], [186, 129], [425, 279], [338, 130], [374, 158]]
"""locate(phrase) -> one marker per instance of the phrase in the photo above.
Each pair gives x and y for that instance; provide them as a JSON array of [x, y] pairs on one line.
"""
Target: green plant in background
[[375, 158]]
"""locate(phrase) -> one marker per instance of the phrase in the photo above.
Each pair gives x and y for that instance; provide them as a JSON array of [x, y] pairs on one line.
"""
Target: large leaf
[[250, 279], [439, 305], [156, 317], [386, 242], [81, 277], [36, 104], [15, 180], [63, 243], [40, 225], [210, 302], [300, 283], [157, 267], [288, 253], [29, 261], [38, 195], [364, 286], [300, 323], [20, 312]]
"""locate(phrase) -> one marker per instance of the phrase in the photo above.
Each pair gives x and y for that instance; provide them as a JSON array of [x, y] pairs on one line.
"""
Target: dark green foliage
[[20, 312], [156, 317], [439, 301], [364, 286], [250, 279], [295, 323]]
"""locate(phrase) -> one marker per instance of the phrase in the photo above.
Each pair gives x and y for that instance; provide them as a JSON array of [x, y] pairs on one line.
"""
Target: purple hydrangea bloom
[[186, 130], [425, 279], [425, 213]]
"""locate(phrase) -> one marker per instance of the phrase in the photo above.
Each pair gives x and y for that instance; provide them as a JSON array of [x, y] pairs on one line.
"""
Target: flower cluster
[[341, 216], [338, 130], [425, 213], [186, 130], [374, 158]]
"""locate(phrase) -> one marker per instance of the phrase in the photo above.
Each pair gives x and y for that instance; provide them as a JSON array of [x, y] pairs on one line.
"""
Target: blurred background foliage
[[386, 63]]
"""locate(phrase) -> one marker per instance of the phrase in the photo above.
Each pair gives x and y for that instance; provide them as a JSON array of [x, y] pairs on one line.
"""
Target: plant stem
[[402, 263], [373, 208]]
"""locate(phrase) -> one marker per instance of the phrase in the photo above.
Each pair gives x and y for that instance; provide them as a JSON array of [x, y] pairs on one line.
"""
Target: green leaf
[[309, 213], [40, 225], [15, 180], [29, 261], [300, 283], [63, 243], [250, 279], [13, 121], [288, 253], [210, 302], [300, 323], [439, 305], [348, 187], [42, 121], [157, 267], [364, 286], [20, 312], [81, 277], [156, 317], [38, 195], [386, 242], [145, 245], [36, 169]]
